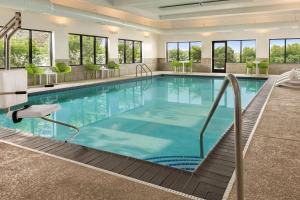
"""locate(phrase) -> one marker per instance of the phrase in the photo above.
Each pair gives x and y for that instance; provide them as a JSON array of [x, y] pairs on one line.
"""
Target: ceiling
[[176, 16], [186, 9]]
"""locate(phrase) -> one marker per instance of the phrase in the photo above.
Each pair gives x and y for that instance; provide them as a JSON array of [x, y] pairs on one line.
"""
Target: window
[[101, 50], [172, 51], [87, 49], [248, 51], [241, 51], [137, 54], [184, 51], [41, 48], [234, 51], [130, 51], [196, 51], [19, 49], [74, 49], [285, 51], [29, 46]]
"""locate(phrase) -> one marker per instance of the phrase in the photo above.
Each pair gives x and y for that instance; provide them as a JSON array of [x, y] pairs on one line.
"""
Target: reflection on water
[[142, 119]]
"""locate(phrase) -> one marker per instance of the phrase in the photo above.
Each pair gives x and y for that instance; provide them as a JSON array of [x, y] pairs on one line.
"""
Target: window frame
[[241, 49], [177, 44], [133, 47], [94, 46], [285, 54], [30, 55]]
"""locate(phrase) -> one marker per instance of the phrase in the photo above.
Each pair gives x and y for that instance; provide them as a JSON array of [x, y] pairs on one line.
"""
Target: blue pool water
[[158, 120]]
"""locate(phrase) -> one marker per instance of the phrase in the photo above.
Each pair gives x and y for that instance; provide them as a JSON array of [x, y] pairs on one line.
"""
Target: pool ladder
[[230, 78], [143, 68]]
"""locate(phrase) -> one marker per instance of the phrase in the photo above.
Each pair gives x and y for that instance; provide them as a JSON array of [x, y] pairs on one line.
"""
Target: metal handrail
[[142, 69], [230, 78], [147, 68]]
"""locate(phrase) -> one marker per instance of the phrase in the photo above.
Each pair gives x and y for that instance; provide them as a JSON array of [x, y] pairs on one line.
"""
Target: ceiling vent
[[192, 4]]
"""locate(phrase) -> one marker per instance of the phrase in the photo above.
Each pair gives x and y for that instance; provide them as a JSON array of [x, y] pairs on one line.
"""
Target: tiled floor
[[272, 162], [176, 178]]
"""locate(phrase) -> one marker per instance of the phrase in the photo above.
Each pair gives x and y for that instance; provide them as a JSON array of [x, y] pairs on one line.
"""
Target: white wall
[[61, 27]]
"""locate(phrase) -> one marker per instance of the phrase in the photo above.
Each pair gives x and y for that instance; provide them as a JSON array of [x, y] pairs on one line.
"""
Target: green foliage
[[264, 64], [250, 65], [121, 47], [172, 55], [248, 54], [112, 65], [196, 53], [32, 69], [92, 67], [74, 49], [293, 53], [87, 49], [277, 54], [62, 68]]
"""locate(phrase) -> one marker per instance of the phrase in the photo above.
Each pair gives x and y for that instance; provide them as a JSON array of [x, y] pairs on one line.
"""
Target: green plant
[[175, 65], [263, 66], [113, 65], [189, 66], [62, 68], [34, 71]]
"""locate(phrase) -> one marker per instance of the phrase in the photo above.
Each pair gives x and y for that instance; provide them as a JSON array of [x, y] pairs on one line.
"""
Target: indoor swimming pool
[[156, 119]]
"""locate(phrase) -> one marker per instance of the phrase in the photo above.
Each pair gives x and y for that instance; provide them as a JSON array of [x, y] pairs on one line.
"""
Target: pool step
[[188, 163]]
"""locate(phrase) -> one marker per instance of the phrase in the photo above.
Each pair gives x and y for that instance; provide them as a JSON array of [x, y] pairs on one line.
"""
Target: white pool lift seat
[[13, 92], [289, 79]]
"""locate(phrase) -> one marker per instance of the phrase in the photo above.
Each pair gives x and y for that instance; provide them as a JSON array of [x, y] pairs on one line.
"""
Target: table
[[48, 75], [183, 65], [256, 67]]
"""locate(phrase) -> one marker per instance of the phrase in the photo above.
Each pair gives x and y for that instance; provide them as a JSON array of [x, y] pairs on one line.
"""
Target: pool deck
[[209, 181], [272, 161]]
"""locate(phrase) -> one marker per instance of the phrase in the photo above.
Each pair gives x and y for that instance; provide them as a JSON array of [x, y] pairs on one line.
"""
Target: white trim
[[107, 172], [233, 177]]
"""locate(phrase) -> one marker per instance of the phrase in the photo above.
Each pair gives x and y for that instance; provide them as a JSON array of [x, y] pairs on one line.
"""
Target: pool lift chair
[[13, 87], [289, 79]]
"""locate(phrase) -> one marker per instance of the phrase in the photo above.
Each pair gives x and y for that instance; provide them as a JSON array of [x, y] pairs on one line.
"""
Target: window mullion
[[30, 47]]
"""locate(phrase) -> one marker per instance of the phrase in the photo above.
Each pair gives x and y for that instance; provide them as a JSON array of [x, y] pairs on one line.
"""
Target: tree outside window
[[293, 51], [41, 48], [172, 51], [19, 49], [130, 51], [74, 49], [100, 50], [277, 51], [196, 51], [87, 50], [184, 51]]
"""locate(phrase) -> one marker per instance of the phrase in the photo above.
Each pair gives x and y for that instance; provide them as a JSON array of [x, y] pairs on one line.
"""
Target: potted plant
[[112, 65], [34, 71], [263, 67], [249, 67], [62, 68]]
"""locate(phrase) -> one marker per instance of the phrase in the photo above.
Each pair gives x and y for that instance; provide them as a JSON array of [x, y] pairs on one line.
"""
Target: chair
[[63, 69], [250, 66], [175, 65], [189, 66], [113, 67], [34, 71], [289, 79], [92, 69], [263, 67]]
